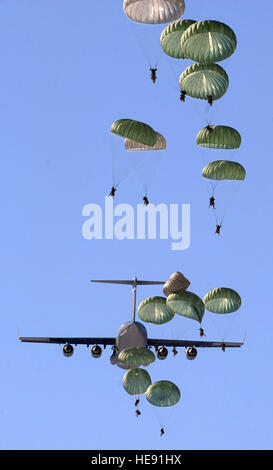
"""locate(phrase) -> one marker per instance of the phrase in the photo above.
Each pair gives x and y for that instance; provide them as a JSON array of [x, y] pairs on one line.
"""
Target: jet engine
[[162, 353], [191, 353], [68, 350], [96, 351]]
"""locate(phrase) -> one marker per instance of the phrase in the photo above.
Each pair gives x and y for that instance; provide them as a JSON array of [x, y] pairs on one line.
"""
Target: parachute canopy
[[163, 393], [187, 304], [138, 356], [222, 300], [159, 145], [170, 38], [135, 130], [154, 11], [208, 42], [154, 310], [219, 137], [176, 283], [204, 80], [136, 381], [224, 170]]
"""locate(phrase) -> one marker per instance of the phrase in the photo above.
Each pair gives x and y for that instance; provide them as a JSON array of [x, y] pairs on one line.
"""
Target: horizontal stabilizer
[[130, 282]]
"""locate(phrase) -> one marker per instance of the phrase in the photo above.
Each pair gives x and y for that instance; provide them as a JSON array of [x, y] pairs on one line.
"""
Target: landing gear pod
[[162, 353], [191, 353], [96, 351], [68, 350]]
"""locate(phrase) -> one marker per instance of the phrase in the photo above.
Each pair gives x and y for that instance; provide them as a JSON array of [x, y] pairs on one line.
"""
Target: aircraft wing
[[68, 340], [187, 343]]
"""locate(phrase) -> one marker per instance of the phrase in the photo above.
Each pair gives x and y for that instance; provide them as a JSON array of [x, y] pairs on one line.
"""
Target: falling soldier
[[218, 228], [201, 332], [182, 95], [112, 192], [174, 351], [145, 200], [210, 100], [212, 202], [210, 129], [153, 74]]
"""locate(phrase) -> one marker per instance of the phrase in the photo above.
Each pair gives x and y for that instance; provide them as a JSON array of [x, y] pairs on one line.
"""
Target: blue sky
[[68, 70]]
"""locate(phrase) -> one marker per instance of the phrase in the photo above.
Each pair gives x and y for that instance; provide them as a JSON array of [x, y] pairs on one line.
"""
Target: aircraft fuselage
[[130, 335]]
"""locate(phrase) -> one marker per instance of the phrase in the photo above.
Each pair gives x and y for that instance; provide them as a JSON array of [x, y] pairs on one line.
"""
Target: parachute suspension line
[[148, 168], [140, 42], [160, 54], [212, 183], [210, 112], [163, 421], [122, 164], [205, 112], [213, 187], [229, 203], [113, 156], [223, 334]]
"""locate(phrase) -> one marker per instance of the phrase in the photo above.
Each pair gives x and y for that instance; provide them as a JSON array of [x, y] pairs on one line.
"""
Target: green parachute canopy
[[159, 145], [204, 80], [136, 381], [208, 42], [224, 170], [154, 11], [170, 38], [138, 356], [154, 310], [187, 304], [163, 393], [222, 300], [135, 130], [219, 137]]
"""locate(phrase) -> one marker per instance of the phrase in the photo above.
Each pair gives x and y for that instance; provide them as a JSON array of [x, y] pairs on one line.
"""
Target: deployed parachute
[[208, 42], [154, 11], [204, 81], [170, 38], [163, 393], [160, 144], [136, 134], [135, 130], [224, 170], [219, 137], [231, 174], [154, 310], [187, 304], [176, 283], [137, 356], [222, 300], [150, 14], [136, 381]]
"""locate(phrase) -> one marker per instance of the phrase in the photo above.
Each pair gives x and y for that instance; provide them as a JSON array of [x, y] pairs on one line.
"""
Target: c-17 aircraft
[[130, 335]]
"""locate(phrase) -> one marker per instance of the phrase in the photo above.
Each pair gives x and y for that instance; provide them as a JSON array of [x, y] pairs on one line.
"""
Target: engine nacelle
[[162, 353], [191, 353], [68, 350], [96, 351]]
